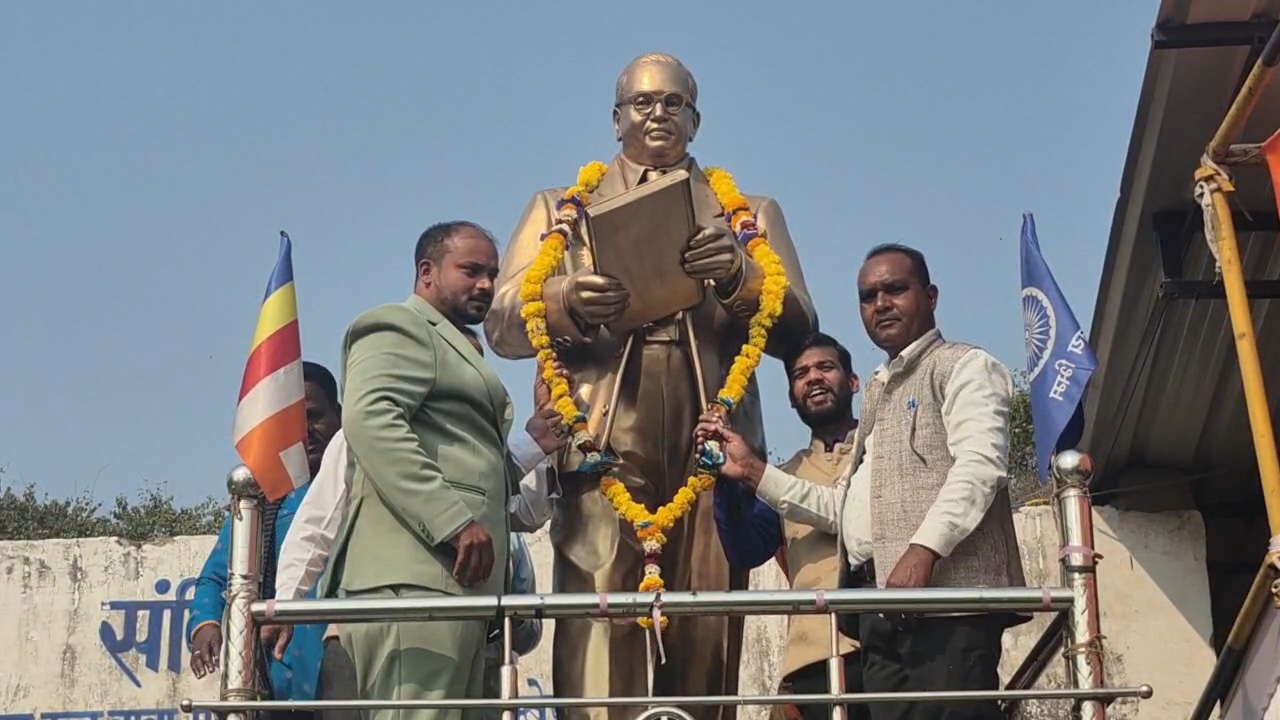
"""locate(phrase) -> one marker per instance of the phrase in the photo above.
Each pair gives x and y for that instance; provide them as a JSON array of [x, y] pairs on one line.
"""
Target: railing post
[[835, 668], [239, 676], [1072, 471], [509, 672]]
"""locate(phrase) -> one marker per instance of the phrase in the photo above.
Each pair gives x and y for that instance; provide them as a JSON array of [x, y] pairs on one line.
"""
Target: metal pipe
[[1042, 653], [1245, 100], [835, 668], [1142, 692], [1231, 657], [1212, 180], [1255, 392], [1072, 471], [636, 604], [239, 677], [1244, 154], [509, 681]]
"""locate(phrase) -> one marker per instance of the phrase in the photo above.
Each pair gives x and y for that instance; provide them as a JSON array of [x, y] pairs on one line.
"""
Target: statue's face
[[655, 118]]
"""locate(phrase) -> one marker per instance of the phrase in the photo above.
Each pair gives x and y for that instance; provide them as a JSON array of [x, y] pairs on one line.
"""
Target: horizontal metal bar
[[635, 604], [1142, 692], [1210, 290], [1244, 154], [1212, 34]]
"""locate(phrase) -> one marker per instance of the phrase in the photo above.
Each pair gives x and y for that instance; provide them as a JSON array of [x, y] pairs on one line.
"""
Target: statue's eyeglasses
[[645, 102]]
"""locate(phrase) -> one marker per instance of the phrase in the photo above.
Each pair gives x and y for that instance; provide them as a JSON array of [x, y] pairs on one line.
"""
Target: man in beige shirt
[[822, 386]]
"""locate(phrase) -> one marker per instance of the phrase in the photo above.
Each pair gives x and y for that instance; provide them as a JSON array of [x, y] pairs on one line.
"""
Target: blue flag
[[1059, 359]]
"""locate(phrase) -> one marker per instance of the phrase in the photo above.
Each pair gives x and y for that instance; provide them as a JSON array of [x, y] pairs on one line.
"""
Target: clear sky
[[151, 152]]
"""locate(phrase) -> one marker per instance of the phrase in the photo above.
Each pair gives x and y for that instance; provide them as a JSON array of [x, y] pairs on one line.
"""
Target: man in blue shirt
[[295, 677], [750, 530]]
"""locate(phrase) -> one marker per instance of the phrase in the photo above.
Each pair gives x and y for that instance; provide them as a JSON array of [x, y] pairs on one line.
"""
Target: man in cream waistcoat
[[926, 494]]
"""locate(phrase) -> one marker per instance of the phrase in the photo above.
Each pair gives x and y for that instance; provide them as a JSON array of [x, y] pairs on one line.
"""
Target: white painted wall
[[61, 601]]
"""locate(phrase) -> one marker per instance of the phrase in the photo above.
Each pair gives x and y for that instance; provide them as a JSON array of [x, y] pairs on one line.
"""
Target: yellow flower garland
[[650, 527]]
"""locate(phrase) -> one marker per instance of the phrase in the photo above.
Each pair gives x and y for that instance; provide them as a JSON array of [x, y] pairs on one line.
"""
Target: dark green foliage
[[152, 514], [1024, 485]]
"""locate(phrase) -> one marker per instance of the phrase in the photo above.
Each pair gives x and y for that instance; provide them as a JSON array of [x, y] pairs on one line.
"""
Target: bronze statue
[[645, 399]]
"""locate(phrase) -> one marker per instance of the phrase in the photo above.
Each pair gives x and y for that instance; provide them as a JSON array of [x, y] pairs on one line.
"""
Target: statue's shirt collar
[[633, 173]]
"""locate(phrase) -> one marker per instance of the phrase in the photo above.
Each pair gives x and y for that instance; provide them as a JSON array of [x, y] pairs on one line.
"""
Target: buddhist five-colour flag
[[271, 418]]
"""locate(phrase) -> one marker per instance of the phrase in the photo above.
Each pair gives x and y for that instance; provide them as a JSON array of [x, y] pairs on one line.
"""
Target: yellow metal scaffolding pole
[[1212, 188], [1231, 658], [1255, 393]]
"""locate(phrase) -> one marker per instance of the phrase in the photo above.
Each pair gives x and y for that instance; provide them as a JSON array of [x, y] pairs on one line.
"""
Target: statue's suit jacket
[[426, 419], [720, 322]]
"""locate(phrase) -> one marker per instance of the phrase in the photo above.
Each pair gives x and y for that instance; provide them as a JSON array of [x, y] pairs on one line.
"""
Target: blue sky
[[152, 152]]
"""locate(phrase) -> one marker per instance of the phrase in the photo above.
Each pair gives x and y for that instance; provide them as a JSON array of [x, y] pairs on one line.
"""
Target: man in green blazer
[[426, 420]]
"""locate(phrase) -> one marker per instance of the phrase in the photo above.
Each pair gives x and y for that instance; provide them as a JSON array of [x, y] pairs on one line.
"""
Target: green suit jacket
[[426, 420]]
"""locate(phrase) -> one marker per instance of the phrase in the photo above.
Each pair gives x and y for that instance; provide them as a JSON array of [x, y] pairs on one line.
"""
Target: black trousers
[[932, 653], [812, 680]]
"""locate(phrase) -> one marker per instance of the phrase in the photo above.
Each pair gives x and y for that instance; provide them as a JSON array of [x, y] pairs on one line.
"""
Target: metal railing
[[1076, 604]]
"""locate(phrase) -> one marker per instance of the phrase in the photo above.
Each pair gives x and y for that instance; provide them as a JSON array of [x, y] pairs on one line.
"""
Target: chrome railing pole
[[835, 669], [239, 678], [509, 674], [1072, 471], [660, 704], [923, 601]]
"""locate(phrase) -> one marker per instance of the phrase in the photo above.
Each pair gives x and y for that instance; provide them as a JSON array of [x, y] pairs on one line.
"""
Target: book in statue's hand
[[639, 238]]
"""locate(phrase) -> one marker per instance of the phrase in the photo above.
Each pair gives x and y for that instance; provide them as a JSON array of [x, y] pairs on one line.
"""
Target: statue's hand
[[712, 255], [595, 299]]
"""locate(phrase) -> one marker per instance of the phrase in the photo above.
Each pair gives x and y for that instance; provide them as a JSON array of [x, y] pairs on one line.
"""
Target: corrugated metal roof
[[1168, 393]]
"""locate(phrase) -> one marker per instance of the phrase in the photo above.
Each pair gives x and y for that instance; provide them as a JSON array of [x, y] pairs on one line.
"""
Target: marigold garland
[[651, 527]]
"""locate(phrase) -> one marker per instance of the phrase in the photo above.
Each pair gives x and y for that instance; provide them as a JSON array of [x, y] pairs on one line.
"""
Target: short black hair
[[915, 256], [319, 375], [817, 340], [432, 241]]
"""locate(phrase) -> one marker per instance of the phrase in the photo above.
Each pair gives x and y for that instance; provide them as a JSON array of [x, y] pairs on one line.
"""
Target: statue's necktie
[[651, 174]]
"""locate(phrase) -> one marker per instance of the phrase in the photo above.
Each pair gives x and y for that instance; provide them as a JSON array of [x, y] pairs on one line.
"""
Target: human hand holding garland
[[739, 462]]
